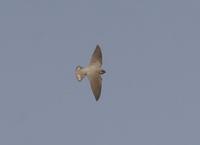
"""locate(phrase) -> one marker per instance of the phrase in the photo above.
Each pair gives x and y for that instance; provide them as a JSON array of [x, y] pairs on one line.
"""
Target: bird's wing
[[96, 83], [96, 56]]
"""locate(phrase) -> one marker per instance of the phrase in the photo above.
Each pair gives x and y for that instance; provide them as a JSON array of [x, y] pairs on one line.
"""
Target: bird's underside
[[93, 71]]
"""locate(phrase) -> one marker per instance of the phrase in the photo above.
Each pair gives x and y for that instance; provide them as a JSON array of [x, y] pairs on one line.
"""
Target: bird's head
[[79, 74]]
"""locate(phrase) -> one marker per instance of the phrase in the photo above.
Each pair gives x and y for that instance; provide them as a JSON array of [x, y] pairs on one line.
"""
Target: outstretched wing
[[96, 83], [96, 56]]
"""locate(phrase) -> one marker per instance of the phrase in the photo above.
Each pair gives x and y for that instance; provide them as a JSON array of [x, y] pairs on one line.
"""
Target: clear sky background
[[151, 91]]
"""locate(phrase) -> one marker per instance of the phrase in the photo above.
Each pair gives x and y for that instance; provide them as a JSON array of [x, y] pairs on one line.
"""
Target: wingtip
[[98, 46], [97, 98]]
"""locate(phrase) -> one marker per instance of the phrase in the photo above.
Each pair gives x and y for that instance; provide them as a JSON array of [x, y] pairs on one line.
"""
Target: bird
[[93, 72]]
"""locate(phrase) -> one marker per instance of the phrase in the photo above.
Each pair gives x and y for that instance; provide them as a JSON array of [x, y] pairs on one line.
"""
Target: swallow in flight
[[93, 72]]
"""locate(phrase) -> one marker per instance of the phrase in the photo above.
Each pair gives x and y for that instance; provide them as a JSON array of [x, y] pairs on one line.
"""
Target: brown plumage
[[93, 71]]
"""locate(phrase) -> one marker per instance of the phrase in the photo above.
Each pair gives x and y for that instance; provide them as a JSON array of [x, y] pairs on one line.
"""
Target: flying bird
[[93, 72]]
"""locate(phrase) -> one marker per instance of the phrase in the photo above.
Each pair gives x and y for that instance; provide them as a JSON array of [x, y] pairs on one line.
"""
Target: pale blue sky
[[151, 91]]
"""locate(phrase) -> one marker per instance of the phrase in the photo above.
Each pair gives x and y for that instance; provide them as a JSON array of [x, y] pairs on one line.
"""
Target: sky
[[151, 89]]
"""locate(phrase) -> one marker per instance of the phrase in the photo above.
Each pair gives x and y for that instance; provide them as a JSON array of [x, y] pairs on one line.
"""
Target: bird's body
[[93, 72]]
